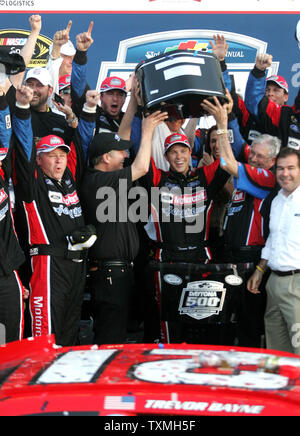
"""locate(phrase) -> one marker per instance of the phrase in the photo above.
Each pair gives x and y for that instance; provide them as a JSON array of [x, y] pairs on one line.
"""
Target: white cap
[[68, 49], [40, 74]]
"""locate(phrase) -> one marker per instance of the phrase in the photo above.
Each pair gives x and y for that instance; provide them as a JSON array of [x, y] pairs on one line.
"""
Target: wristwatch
[[222, 131]]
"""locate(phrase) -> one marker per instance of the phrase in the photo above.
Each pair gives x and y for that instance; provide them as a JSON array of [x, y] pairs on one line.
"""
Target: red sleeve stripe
[[36, 231], [210, 170], [255, 233], [273, 110], [156, 173], [72, 160], [244, 111]]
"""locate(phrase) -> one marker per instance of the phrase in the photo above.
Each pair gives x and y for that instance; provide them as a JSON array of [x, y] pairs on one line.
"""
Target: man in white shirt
[[282, 255]]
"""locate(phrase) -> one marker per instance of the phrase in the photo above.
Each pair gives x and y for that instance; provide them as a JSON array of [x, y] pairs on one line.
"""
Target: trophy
[[178, 81]]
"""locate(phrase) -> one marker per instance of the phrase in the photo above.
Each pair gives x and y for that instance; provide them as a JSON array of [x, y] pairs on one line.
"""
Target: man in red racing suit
[[47, 176], [181, 202]]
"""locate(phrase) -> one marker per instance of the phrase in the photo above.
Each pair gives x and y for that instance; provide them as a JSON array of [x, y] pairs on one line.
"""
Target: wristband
[[88, 109], [260, 269], [22, 106], [222, 131]]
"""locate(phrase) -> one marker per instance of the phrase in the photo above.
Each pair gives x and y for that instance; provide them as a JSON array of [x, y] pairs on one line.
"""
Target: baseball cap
[[64, 82], [40, 74], [50, 143], [68, 49], [3, 152], [113, 83], [176, 138], [13, 62], [105, 142], [280, 81]]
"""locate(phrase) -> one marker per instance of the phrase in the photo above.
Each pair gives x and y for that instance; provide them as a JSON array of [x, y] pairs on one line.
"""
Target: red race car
[[39, 378]]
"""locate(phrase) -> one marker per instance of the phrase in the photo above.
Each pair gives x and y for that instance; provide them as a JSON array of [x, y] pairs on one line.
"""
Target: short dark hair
[[287, 151]]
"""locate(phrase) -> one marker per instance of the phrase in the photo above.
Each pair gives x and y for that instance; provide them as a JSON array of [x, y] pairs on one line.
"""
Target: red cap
[[113, 83], [280, 81], [50, 143], [64, 82], [176, 138]]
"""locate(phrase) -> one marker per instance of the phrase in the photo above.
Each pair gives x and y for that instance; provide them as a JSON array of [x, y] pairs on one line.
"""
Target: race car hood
[[39, 378]]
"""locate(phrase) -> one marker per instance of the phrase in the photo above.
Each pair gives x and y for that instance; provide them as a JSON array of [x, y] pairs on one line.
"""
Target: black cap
[[13, 62], [105, 142]]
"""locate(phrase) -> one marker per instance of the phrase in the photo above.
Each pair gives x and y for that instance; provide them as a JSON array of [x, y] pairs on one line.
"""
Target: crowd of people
[[227, 199]]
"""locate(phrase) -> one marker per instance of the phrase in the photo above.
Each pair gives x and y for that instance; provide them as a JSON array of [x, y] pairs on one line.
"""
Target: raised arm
[[140, 165], [27, 51], [220, 113], [22, 120], [79, 67], [256, 84]]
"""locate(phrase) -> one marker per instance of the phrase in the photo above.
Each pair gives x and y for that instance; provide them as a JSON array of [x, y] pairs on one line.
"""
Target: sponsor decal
[[202, 299], [3, 212], [294, 143], [68, 200], [172, 279], [204, 406], [239, 197], [54, 140], [13, 40], [7, 122], [3, 196], [253, 134], [72, 213], [186, 199], [233, 280], [119, 402], [38, 305]]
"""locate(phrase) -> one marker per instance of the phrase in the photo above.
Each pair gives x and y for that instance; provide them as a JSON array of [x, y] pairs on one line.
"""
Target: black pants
[[251, 308], [11, 308], [112, 288], [57, 287]]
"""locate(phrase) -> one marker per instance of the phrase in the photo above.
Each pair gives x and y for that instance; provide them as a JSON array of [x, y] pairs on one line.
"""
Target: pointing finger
[[90, 27], [68, 28]]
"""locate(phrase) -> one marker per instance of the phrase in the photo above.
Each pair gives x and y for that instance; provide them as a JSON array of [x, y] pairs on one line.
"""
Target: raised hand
[[153, 120], [24, 95], [92, 98], [263, 61], [219, 47], [61, 37], [84, 40], [218, 111], [35, 23]]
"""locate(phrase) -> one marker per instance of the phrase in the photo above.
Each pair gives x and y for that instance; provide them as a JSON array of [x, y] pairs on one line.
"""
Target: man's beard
[[40, 102]]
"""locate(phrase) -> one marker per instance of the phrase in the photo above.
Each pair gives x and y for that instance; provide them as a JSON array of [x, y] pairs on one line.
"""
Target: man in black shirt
[[106, 185]]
